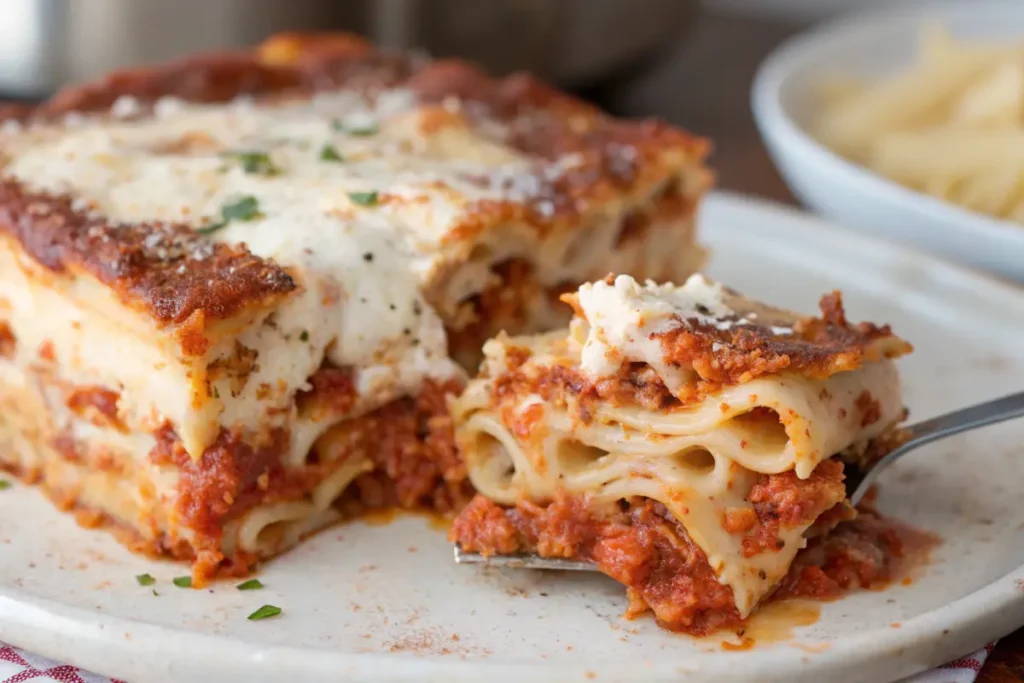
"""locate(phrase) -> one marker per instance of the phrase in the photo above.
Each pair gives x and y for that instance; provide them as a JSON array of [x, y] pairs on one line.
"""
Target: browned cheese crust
[[817, 347], [168, 271], [728, 355]]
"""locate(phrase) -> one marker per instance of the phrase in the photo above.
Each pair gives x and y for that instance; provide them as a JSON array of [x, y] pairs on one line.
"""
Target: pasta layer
[[238, 504]]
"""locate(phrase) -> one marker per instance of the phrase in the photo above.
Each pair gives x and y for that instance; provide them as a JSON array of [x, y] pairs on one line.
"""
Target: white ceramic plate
[[385, 603], [875, 44]]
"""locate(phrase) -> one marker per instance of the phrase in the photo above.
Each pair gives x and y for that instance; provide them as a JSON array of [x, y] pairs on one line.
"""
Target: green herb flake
[[256, 163], [145, 580], [212, 228], [304, 336], [329, 153], [155, 594], [359, 130], [250, 585], [183, 581], [4, 484], [265, 612], [363, 198], [246, 208]]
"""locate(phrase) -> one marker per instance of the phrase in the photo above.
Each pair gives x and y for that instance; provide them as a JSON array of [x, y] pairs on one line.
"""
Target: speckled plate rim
[[141, 652]]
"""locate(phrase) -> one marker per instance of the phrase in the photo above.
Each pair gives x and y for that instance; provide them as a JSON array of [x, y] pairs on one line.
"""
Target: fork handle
[[939, 427], [979, 415]]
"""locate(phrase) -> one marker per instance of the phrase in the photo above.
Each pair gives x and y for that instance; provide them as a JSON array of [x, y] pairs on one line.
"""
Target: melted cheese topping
[[352, 198], [623, 317], [358, 198]]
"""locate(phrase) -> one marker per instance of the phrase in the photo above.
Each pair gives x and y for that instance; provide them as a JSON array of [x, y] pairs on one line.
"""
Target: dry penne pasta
[[914, 156], [951, 125]]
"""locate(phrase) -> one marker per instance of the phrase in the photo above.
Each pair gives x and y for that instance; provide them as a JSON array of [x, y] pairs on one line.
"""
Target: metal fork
[[858, 481]]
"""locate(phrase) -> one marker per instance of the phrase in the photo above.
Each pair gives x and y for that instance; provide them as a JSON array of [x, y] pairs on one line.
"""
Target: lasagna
[[687, 440], [236, 290]]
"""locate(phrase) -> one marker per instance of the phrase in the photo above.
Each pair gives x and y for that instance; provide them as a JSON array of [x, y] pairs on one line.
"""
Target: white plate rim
[[769, 111], [84, 638]]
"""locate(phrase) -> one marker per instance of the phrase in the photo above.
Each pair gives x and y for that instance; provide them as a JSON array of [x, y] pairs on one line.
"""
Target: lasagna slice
[[234, 290], [685, 439]]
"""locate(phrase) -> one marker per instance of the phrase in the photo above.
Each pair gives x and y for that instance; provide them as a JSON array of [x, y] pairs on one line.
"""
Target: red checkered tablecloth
[[17, 666]]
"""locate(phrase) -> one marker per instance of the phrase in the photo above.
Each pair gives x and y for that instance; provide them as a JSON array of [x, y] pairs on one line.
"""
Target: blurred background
[[688, 61]]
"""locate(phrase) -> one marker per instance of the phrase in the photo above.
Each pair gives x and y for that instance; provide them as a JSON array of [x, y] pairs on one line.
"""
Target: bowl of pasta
[[908, 123]]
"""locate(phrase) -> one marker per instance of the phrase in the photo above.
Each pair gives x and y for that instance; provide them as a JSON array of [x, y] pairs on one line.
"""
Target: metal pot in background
[[45, 44]]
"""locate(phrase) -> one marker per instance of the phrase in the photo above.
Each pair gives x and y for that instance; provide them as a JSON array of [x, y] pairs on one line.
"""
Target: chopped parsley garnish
[[363, 198], [212, 228], [145, 580], [183, 581], [302, 337], [246, 208], [265, 612], [329, 153], [155, 594], [257, 163], [250, 585], [358, 130], [4, 484]]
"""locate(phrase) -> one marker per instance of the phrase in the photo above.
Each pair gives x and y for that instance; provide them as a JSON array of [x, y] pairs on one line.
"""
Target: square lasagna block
[[236, 290]]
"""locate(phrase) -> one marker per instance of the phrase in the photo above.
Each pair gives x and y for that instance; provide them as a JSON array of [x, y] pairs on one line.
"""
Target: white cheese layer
[[624, 317]]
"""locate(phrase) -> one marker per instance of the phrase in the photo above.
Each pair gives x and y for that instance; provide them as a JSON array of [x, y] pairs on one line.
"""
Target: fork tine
[[524, 561]]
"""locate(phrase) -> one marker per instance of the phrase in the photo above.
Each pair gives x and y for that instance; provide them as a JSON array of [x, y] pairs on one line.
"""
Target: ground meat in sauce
[[784, 501], [636, 384], [641, 547], [96, 404], [506, 305], [332, 393], [566, 387], [858, 554], [665, 572], [416, 464], [410, 442], [7, 340]]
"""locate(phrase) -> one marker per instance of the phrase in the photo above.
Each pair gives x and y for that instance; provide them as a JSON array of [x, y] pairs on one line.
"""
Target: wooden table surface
[[704, 85]]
